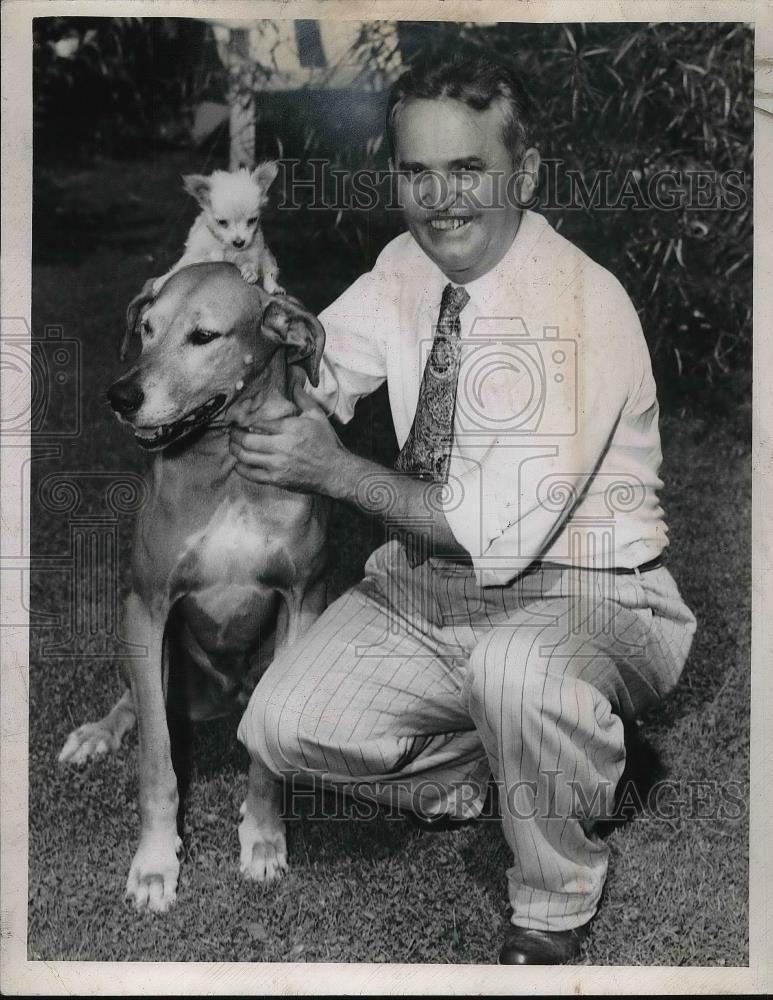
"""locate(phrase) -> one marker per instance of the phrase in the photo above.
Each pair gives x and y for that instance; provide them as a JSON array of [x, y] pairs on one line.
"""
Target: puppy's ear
[[264, 174], [133, 314], [199, 186], [286, 322]]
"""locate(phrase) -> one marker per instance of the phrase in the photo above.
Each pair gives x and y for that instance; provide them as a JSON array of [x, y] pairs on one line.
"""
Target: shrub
[[113, 84]]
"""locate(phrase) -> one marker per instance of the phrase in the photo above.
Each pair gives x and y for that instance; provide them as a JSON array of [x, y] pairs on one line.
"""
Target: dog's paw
[[273, 289], [263, 849], [93, 739], [152, 882], [249, 273]]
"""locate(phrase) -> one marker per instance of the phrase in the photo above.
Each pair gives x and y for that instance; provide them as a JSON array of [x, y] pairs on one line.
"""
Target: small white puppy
[[228, 227]]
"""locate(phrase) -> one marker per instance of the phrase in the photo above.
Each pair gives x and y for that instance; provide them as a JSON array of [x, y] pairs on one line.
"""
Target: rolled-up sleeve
[[357, 326]]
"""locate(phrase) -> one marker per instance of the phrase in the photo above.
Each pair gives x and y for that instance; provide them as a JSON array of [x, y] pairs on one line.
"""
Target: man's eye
[[199, 337], [222, 222], [146, 328]]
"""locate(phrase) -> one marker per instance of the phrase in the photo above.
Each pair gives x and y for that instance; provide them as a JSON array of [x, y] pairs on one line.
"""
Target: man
[[521, 610]]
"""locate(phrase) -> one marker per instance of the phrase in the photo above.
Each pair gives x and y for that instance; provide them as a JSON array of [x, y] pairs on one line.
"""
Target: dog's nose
[[238, 243], [125, 397]]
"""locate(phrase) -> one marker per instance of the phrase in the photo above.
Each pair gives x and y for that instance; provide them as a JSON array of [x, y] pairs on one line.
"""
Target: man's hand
[[304, 453], [296, 453]]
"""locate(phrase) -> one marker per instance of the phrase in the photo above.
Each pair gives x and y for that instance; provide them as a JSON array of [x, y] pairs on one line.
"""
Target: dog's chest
[[235, 547]]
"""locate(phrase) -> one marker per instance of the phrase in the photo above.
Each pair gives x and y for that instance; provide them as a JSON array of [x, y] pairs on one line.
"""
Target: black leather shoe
[[524, 946]]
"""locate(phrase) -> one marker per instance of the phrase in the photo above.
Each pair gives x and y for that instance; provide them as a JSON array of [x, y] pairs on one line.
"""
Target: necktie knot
[[455, 298]]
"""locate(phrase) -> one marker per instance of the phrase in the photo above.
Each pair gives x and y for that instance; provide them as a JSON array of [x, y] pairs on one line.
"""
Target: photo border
[[20, 976]]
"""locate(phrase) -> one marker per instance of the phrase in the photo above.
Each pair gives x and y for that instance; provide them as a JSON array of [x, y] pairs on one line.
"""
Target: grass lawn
[[357, 891]]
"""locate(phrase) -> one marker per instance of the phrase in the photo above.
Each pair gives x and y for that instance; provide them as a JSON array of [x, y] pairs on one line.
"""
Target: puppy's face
[[232, 202]]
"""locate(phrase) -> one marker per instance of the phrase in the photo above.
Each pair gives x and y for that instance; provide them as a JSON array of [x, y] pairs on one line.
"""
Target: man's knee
[[525, 671], [268, 730], [499, 668], [279, 712]]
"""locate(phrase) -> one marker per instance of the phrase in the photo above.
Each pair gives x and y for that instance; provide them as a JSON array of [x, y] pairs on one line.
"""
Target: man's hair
[[477, 82]]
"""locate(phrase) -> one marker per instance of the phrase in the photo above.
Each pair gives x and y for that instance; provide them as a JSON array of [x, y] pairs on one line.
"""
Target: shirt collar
[[485, 292], [495, 285]]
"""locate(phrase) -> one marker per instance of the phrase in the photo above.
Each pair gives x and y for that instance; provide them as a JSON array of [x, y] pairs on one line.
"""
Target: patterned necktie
[[427, 449]]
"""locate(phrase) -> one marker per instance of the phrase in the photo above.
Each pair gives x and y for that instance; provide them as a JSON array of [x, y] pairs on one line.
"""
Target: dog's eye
[[222, 222], [251, 221], [199, 337]]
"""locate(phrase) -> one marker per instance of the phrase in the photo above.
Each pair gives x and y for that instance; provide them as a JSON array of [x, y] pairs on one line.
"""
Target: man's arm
[[304, 453]]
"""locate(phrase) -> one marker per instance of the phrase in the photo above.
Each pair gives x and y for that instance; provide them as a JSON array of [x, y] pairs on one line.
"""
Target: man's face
[[453, 187]]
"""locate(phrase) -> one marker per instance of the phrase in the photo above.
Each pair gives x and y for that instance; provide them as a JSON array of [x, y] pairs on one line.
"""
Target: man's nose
[[125, 397], [238, 242], [436, 190]]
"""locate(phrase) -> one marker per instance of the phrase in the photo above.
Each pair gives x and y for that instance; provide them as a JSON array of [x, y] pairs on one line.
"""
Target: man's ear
[[199, 186], [264, 174], [528, 176], [286, 322]]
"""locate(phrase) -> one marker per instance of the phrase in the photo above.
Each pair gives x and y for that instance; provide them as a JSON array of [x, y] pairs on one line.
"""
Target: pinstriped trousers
[[417, 685]]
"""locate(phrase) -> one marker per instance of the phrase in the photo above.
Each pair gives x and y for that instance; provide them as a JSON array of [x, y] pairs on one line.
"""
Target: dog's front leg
[[263, 856], [152, 881], [270, 271], [262, 829]]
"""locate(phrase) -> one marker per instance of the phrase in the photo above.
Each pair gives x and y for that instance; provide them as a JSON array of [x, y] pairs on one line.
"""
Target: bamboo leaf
[[624, 48]]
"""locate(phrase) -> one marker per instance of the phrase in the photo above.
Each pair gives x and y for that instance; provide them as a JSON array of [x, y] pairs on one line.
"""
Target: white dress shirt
[[556, 446]]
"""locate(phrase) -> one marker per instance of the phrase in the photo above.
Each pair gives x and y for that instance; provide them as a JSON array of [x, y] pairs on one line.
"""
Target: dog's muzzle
[[166, 434]]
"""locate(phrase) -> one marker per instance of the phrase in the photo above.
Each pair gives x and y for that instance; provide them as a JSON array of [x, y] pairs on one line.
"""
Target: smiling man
[[521, 611]]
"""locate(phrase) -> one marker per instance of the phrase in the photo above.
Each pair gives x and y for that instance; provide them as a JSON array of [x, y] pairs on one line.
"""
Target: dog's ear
[[264, 174], [133, 313], [286, 322], [199, 186]]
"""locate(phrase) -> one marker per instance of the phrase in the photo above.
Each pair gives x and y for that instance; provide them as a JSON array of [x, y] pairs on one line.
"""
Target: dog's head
[[205, 338], [232, 202]]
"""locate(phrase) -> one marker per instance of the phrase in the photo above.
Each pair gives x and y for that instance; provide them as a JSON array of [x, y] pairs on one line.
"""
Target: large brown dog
[[224, 571]]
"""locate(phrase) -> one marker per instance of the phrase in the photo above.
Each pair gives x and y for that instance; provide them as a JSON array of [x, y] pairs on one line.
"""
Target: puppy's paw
[[249, 273], [88, 741], [152, 882], [263, 849], [270, 286]]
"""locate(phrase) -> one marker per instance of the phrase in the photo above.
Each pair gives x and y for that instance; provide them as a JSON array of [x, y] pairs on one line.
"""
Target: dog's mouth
[[153, 438]]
